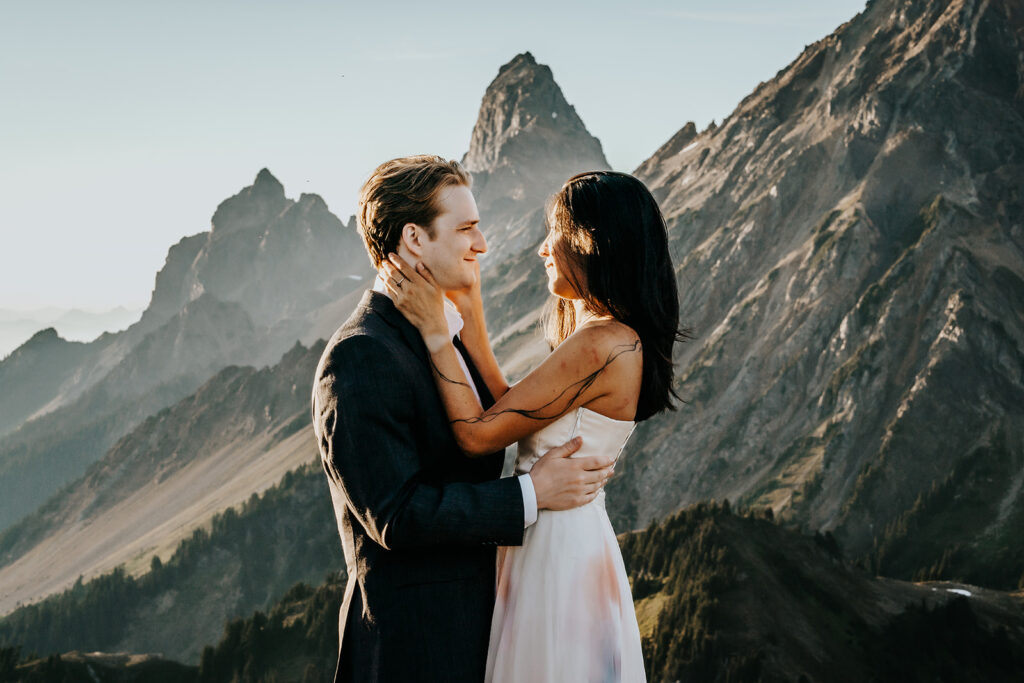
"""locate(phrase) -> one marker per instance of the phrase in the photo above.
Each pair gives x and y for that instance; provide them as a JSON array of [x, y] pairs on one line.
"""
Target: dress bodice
[[602, 435]]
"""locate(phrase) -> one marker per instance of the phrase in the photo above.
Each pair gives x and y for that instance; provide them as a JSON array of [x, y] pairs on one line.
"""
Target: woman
[[563, 610]]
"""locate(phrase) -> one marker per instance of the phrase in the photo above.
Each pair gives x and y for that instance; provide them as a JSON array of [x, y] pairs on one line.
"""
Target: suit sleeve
[[363, 412]]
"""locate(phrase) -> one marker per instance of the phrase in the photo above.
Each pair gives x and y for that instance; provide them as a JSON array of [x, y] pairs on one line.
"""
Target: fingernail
[[577, 441]]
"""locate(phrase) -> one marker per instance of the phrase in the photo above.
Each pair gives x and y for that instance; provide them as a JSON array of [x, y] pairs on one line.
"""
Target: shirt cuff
[[529, 500]]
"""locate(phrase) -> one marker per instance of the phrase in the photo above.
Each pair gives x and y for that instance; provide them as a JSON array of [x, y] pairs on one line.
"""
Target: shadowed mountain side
[[37, 367], [244, 560], [726, 597], [276, 266], [93, 667], [719, 597], [169, 363], [850, 255], [238, 434]]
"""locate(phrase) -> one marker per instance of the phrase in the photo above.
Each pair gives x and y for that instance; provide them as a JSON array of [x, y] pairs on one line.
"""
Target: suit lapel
[[384, 307]]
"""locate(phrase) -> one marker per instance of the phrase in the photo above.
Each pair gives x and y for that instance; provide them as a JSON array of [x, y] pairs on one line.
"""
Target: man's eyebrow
[[472, 222]]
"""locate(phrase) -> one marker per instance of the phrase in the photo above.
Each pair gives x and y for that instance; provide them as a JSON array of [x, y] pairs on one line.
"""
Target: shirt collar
[[451, 314]]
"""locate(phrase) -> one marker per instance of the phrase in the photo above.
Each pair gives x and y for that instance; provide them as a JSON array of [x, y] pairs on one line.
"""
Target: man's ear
[[412, 235]]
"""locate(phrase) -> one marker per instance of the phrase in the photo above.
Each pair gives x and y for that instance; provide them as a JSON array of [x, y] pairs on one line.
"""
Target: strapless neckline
[[602, 435], [612, 419]]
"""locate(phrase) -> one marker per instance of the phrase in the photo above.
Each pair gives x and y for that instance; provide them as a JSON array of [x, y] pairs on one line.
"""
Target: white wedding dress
[[563, 611]]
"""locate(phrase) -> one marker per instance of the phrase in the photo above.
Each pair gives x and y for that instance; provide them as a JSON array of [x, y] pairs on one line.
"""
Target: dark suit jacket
[[419, 521]]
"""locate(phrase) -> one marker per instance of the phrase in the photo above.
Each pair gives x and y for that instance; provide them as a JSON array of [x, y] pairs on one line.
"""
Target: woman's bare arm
[[598, 361]]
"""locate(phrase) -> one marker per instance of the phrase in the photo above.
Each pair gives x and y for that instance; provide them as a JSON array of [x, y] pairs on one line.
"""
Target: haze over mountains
[[17, 326], [850, 257]]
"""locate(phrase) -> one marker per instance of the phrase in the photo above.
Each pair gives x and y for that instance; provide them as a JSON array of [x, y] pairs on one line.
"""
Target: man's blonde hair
[[401, 191]]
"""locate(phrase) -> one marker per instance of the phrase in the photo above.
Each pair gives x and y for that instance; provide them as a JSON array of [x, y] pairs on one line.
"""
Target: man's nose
[[480, 243], [542, 251]]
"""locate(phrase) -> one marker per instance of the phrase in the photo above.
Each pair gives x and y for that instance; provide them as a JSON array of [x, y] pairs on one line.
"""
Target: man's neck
[[451, 313]]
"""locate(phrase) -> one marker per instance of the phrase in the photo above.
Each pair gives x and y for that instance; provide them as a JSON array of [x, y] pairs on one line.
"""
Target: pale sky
[[124, 124]]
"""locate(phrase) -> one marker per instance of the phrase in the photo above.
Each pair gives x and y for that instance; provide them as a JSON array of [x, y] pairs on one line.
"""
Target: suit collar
[[381, 305]]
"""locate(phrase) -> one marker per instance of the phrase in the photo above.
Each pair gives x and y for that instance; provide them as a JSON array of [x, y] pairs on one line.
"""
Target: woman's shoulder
[[602, 341]]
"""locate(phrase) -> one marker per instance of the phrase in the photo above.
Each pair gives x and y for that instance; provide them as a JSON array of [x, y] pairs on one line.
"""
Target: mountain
[[37, 368], [235, 436], [94, 667], [850, 255], [16, 326], [162, 367], [244, 559], [719, 596], [270, 269], [722, 596], [203, 450], [527, 141], [277, 258]]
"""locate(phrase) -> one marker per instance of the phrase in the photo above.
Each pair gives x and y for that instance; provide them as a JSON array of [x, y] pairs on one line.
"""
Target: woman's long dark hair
[[614, 235]]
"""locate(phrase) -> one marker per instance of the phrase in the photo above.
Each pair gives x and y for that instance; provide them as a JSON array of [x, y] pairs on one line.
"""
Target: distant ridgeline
[[246, 561], [721, 596]]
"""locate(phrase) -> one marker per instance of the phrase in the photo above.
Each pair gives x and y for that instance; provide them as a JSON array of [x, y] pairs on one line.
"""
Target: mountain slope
[[275, 268], [246, 558], [727, 597], [236, 435], [851, 256], [719, 597]]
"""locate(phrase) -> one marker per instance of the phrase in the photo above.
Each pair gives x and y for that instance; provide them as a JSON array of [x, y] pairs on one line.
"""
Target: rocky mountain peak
[[521, 59], [266, 182], [253, 207], [524, 118]]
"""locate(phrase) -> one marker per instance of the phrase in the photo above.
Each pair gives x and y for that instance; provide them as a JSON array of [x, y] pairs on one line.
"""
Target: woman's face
[[561, 273]]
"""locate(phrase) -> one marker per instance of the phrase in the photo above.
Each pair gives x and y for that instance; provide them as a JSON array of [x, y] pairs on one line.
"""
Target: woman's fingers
[[393, 280], [401, 266], [427, 275]]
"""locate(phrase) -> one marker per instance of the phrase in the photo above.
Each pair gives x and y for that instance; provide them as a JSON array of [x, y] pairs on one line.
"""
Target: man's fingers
[[597, 462], [566, 449]]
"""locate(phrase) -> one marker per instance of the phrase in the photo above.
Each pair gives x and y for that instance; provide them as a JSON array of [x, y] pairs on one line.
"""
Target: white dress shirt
[[455, 323]]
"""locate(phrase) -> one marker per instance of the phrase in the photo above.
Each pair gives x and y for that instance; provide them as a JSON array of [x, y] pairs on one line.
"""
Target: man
[[419, 521]]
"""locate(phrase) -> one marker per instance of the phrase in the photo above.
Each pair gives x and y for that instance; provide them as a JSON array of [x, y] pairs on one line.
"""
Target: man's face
[[451, 255]]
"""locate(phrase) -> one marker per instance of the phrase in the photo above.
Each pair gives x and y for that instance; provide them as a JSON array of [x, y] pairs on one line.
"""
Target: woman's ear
[[411, 236]]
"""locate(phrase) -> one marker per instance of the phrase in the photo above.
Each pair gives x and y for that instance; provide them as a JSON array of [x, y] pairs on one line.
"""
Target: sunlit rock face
[[850, 258]]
